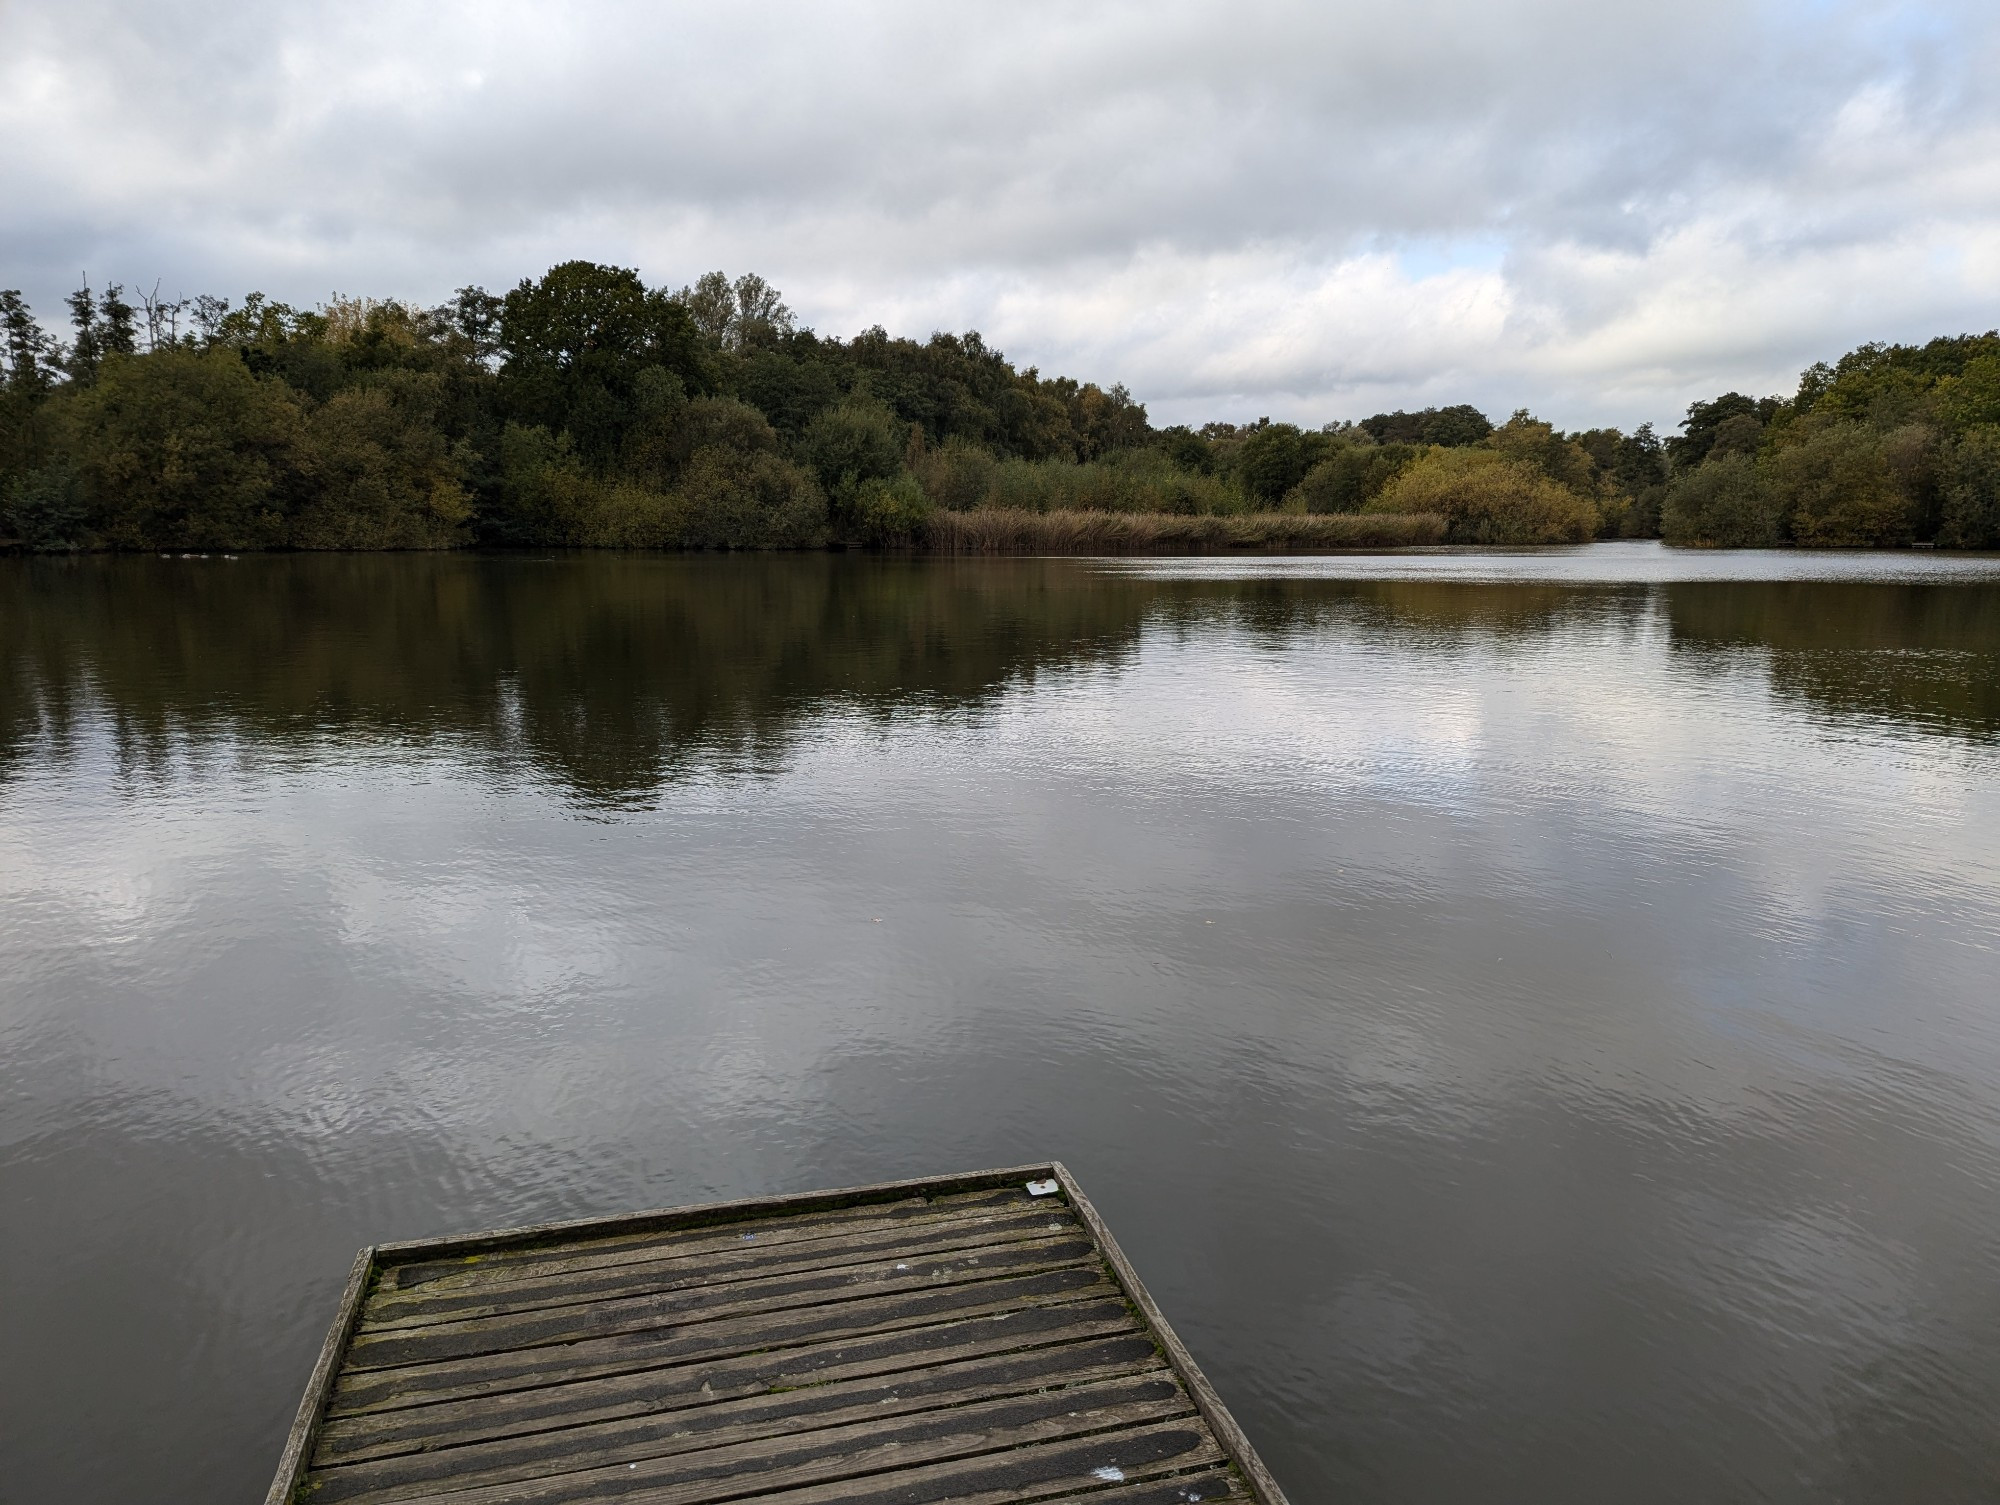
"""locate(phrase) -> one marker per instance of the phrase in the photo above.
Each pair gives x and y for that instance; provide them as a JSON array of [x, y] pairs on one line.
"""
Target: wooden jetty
[[977, 1339]]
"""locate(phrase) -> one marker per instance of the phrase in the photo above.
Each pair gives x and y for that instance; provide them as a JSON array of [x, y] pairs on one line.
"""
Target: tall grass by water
[[1014, 530]]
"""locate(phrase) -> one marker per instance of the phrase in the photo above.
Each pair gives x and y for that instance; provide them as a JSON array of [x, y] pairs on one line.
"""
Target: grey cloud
[[1287, 207]]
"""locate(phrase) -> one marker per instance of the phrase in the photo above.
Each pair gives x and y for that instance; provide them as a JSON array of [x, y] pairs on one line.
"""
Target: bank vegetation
[[585, 409]]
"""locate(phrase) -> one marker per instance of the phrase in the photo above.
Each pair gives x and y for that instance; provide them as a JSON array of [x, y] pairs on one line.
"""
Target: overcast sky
[[1599, 210]]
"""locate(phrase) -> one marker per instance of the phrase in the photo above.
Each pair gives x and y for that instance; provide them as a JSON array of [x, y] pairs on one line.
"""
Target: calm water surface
[[1533, 1019]]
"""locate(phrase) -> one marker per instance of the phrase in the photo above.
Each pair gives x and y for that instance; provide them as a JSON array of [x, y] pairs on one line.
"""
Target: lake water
[[1533, 1019]]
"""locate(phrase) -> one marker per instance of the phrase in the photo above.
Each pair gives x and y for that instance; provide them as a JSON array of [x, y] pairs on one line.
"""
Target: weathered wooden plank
[[505, 1245], [486, 1374], [376, 1434], [722, 1423], [592, 1250], [794, 1460], [567, 1283], [500, 1266], [545, 1326], [1030, 1470], [1177, 1489]]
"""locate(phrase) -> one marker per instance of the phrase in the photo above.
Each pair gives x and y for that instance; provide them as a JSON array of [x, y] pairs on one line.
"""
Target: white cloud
[[1309, 210]]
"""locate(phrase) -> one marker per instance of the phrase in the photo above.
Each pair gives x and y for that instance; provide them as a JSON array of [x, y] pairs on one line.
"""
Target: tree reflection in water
[[615, 674]]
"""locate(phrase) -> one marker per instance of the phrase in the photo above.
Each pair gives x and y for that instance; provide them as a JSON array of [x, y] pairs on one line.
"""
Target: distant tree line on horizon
[[1890, 445], [584, 409]]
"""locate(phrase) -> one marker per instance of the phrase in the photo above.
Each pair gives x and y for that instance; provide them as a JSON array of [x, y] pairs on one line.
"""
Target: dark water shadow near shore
[[613, 673]]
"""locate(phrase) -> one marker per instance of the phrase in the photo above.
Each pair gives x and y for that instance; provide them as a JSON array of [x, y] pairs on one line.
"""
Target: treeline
[[584, 409], [1891, 445]]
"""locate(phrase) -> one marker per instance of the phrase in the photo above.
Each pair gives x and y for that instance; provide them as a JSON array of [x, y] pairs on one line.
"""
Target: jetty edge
[[957, 1338]]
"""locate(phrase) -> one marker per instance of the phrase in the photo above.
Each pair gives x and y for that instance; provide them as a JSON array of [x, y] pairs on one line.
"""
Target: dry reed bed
[[999, 530]]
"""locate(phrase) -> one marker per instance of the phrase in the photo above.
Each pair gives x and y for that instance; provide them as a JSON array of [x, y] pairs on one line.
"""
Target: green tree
[[792, 380], [259, 322], [575, 342], [1530, 441], [1884, 384], [958, 475], [547, 497], [1631, 477], [755, 501], [711, 304], [1834, 489], [1104, 422], [892, 513], [1720, 504], [1275, 457], [1454, 427], [381, 474], [1971, 398], [724, 423], [1703, 424], [1971, 510], [1351, 476], [1739, 434], [761, 314], [856, 441], [1487, 498], [657, 443], [86, 346], [736, 315], [182, 449], [118, 329], [1641, 460], [1187, 449], [474, 316], [32, 358], [44, 509]]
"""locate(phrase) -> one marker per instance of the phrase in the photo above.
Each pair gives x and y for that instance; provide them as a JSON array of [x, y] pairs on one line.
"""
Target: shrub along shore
[[586, 410], [1014, 530]]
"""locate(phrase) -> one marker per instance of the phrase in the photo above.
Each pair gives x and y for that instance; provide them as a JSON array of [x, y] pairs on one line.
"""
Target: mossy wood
[[953, 1339]]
